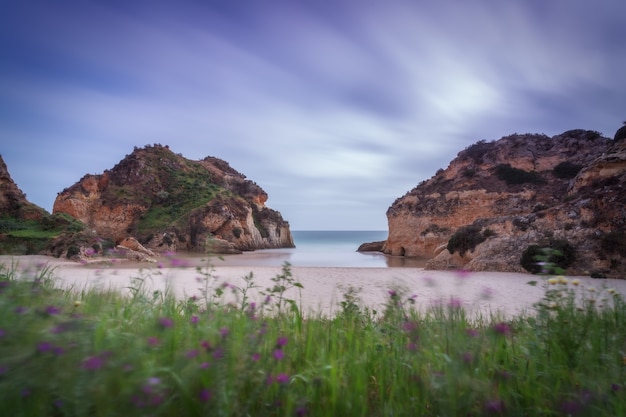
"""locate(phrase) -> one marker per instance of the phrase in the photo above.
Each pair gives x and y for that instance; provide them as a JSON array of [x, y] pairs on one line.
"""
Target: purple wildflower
[[494, 406], [218, 353], [2, 332], [471, 332], [204, 395], [224, 331], [194, 319], [256, 357], [206, 345], [281, 341], [392, 293], [45, 347], [192, 354], [154, 341], [179, 263], [204, 365], [282, 378], [279, 354], [20, 310], [502, 328], [93, 363], [467, 357], [52, 310], [166, 322]]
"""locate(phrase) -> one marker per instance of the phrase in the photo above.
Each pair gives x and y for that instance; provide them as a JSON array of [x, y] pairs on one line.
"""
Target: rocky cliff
[[13, 202], [498, 201], [169, 203]]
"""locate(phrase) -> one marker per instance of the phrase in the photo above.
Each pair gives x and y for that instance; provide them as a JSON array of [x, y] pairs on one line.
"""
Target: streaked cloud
[[334, 108]]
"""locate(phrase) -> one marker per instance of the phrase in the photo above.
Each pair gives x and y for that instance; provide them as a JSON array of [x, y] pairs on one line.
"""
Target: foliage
[[567, 170], [150, 353], [552, 258], [478, 150], [467, 238], [513, 176]]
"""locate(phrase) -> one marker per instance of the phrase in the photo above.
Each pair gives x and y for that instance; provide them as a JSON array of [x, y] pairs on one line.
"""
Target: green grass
[[89, 352]]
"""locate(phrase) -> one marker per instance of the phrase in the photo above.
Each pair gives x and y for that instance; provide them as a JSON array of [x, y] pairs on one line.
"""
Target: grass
[[93, 352]]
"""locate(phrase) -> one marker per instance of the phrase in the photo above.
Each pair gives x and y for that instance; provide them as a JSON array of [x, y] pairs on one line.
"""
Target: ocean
[[324, 248]]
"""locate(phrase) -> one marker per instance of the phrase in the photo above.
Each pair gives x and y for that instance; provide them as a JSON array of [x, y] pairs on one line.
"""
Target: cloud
[[332, 107]]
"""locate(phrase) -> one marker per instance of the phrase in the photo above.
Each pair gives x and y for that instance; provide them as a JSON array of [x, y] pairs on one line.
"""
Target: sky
[[335, 108]]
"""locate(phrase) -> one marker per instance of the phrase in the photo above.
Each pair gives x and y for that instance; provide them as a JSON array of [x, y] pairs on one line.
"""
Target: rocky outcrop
[[13, 202], [519, 191], [170, 203]]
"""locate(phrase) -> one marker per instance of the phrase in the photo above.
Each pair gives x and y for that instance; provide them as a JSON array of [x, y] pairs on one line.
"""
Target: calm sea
[[325, 248]]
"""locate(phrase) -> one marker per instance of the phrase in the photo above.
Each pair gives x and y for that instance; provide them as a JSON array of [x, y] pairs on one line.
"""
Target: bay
[[324, 248]]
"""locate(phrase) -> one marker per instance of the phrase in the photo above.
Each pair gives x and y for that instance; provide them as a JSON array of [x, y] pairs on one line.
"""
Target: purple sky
[[335, 108]]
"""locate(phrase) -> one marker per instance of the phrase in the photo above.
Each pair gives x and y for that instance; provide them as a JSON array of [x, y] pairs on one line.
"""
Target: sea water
[[324, 248]]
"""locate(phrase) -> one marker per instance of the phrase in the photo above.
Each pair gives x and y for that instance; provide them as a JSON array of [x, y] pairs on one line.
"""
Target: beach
[[484, 293]]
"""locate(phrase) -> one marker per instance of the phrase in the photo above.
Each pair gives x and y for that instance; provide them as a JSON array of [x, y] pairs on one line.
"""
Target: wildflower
[[20, 310], [2, 333], [392, 293], [467, 357], [204, 395], [166, 322], [45, 347], [256, 357], [153, 381], [282, 378], [194, 319], [93, 363], [281, 341], [154, 341], [576, 282], [494, 406], [160, 265], [562, 280], [471, 332], [204, 365], [616, 387], [179, 263], [502, 328], [278, 354], [409, 326], [52, 310], [553, 281], [77, 304], [224, 331], [218, 353], [192, 354], [611, 290], [206, 345]]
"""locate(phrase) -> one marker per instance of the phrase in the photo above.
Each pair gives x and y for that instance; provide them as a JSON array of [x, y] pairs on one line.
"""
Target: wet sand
[[480, 292]]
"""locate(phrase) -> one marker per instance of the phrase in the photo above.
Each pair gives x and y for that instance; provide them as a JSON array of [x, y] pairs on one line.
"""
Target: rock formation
[[170, 203], [13, 202], [496, 199]]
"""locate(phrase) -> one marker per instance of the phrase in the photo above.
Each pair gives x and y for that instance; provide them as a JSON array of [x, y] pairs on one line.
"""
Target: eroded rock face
[[13, 202], [171, 203], [525, 190]]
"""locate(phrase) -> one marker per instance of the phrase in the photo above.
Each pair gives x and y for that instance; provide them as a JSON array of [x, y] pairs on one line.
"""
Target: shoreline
[[482, 293]]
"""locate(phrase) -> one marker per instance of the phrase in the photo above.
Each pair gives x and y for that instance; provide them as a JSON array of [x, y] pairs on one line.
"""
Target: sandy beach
[[483, 292]]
